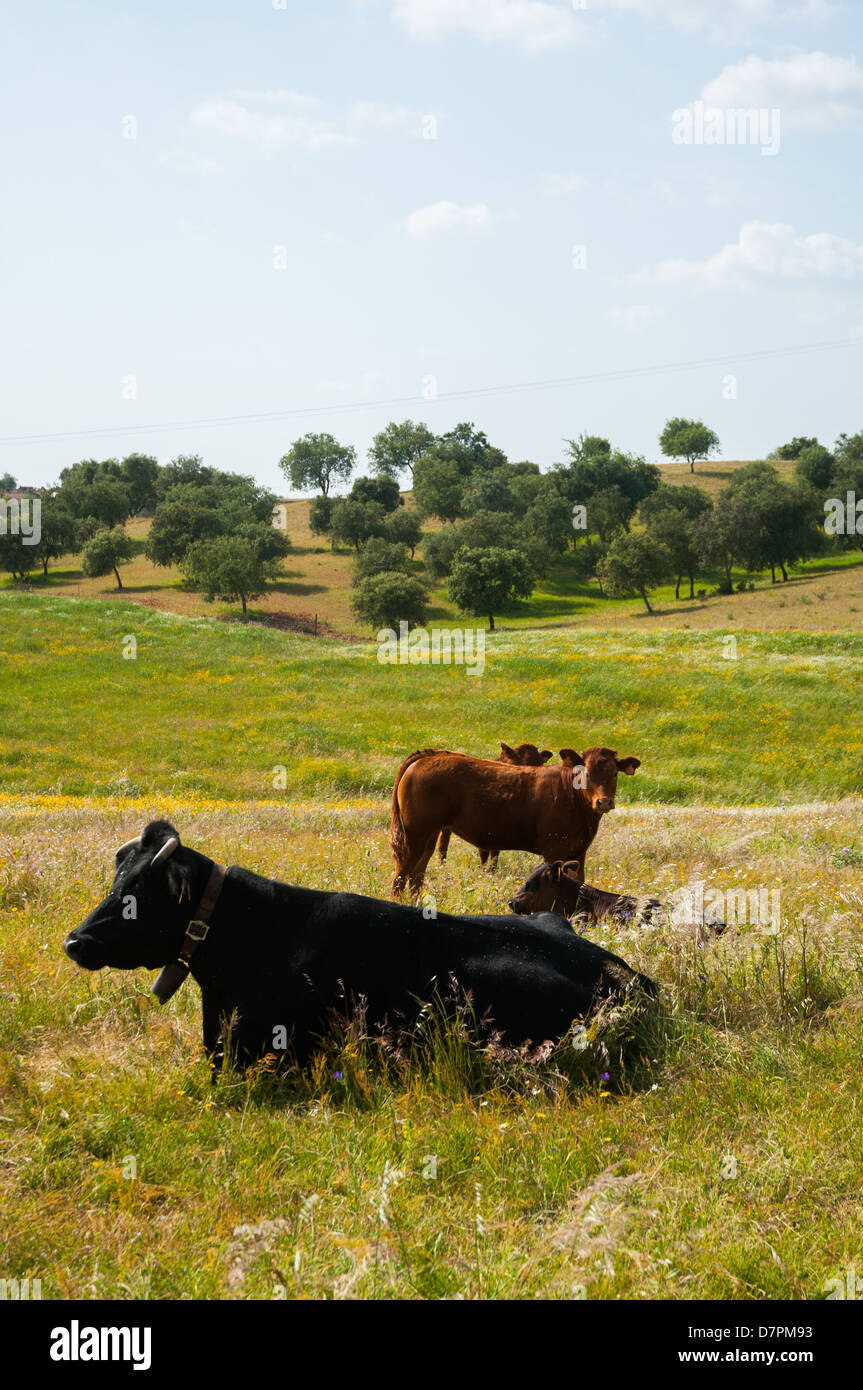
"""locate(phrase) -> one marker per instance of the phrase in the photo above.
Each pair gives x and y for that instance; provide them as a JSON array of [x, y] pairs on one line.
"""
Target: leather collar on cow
[[171, 976]]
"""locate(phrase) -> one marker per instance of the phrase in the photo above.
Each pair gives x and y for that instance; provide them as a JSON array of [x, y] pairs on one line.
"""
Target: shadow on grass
[[287, 586], [547, 606], [444, 615], [133, 589], [54, 579], [710, 473]]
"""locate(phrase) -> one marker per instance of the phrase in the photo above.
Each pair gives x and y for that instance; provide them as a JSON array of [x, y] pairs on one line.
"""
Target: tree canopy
[[106, 552], [483, 581], [634, 564], [386, 599], [396, 448], [688, 439], [230, 568], [318, 461]]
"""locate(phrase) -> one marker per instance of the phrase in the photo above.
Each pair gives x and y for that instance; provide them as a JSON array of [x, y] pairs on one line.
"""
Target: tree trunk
[[646, 604], [119, 580], [243, 602], [692, 465], [491, 622], [772, 574], [45, 568], [784, 571], [692, 586], [677, 586]]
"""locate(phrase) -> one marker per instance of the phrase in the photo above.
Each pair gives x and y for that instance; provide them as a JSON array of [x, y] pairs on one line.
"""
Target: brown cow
[[550, 811], [560, 887], [525, 755]]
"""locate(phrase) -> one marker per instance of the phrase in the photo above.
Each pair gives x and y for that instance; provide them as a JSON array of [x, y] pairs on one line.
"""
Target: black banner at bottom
[[83, 1339]]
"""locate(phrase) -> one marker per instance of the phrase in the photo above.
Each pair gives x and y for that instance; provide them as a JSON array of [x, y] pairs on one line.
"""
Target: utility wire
[[588, 379]]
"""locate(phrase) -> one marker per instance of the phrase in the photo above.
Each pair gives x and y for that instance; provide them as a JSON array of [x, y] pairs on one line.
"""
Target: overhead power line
[[477, 392]]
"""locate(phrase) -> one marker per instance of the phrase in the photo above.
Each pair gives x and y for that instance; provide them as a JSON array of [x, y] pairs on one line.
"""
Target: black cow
[[277, 962]]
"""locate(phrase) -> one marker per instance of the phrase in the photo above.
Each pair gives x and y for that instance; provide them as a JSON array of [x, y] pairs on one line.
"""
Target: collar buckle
[[173, 975]]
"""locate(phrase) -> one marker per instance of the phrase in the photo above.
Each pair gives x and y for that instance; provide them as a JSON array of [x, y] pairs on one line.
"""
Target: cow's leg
[[403, 854], [443, 845], [406, 862], [412, 856], [492, 855], [416, 873]]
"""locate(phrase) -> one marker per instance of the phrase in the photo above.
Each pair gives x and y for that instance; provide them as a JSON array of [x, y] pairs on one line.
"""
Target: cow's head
[[525, 755], [142, 921], [598, 778], [550, 888]]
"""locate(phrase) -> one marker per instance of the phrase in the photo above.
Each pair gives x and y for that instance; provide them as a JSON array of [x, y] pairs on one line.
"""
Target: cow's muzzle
[[80, 950]]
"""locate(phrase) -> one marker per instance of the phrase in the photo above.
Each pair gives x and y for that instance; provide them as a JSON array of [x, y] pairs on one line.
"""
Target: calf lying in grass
[[558, 887], [275, 963]]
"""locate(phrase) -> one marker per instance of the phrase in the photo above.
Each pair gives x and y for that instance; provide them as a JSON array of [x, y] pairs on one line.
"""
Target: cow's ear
[[556, 868], [571, 758], [157, 833], [546, 754], [179, 878], [628, 765], [572, 868], [509, 752]]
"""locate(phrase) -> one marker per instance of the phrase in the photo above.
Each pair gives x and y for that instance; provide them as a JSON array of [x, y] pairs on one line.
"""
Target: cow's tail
[[397, 829]]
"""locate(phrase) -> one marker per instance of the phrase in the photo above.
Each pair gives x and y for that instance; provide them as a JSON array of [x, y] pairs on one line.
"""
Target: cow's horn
[[135, 840], [165, 852]]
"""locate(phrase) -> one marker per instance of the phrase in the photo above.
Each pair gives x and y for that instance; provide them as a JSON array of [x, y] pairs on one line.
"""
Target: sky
[[328, 215]]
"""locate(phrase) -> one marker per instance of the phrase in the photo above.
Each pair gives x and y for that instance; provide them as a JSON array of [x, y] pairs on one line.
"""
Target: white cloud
[[764, 253], [563, 185], [814, 90], [269, 129], [447, 217], [534, 25], [723, 19], [539, 25], [278, 120], [633, 316]]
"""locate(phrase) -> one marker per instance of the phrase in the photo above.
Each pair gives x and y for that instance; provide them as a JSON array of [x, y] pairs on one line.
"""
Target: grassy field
[[217, 710], [715, 1155], [708, 1148], [316, 582]]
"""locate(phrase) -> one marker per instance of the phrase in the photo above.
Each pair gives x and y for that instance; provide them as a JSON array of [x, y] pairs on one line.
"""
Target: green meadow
[[215, 709]]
